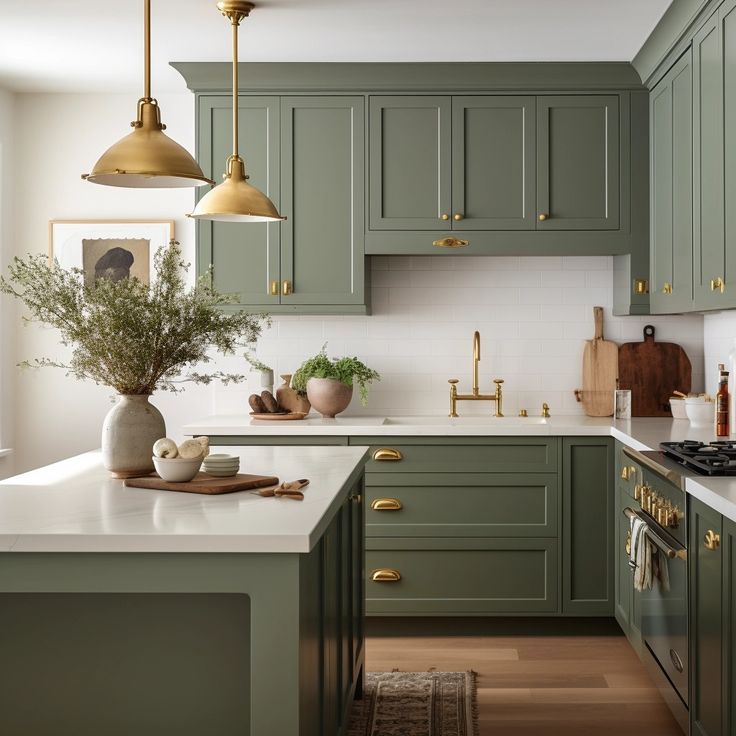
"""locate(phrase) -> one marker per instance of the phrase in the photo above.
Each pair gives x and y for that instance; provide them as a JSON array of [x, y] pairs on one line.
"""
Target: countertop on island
[[75, 506]]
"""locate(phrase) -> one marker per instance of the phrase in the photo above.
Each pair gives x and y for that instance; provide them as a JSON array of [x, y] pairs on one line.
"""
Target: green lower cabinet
[[461, 577], [627, 608], [587, 526]]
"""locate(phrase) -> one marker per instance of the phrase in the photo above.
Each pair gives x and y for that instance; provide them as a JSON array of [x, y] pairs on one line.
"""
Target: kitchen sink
[[490, 421]]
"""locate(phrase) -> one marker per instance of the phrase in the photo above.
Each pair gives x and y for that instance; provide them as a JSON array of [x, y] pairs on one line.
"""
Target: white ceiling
[[82, 45]]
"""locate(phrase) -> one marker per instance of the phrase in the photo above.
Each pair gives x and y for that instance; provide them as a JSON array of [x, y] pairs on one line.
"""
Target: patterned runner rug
[[416, 704]]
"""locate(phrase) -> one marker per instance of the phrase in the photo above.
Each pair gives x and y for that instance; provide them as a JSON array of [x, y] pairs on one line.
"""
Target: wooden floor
[[538, 684]]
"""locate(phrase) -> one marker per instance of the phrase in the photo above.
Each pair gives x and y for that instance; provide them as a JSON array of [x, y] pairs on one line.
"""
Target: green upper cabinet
[[578, 162], [245, 259], [410, 163], [671, 190], [322, 185], [493, 163]]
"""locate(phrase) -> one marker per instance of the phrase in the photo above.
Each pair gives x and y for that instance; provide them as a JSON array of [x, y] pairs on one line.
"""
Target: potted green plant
[[328, 383], [134, 338]]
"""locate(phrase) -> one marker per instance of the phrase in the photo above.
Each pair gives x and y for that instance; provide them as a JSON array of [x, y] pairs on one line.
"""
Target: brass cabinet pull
[[543, 216], [274, 288], [386, 504], [667, 288], [286, 287], [387, 454], [628, 472], [641, 286], [712, 540], [450, 243], [356, 498], [718, 284], [385, 575], [444, 216], [457, 217]]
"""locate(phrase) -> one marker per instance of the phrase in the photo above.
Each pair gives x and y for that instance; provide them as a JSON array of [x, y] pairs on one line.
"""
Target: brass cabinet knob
[[718, 284], [386, 504], [444, 216], [628, 472], [274, 288], [387, 454], [667, 288], [286, 288], [385, 575], [457, 217], [712, 540], [543, 216], [356, 498]]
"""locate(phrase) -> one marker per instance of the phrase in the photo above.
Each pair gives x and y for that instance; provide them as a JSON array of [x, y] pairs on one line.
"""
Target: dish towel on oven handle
[[640, 557]]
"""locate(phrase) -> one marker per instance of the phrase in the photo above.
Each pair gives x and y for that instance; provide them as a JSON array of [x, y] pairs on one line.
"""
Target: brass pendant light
[[235, 200], [147, 157]]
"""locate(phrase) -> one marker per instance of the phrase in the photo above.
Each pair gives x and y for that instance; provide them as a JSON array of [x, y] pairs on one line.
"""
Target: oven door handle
[[671, 552]]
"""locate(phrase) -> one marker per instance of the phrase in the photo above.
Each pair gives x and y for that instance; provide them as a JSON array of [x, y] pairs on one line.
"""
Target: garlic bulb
[[205, 442], [165, 448], [191, 450]]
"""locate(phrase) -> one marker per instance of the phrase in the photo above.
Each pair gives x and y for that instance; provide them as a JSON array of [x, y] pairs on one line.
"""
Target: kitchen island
[[125, 610]]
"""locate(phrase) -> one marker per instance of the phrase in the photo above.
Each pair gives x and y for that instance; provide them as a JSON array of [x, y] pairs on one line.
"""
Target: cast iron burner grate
[[714, 458]]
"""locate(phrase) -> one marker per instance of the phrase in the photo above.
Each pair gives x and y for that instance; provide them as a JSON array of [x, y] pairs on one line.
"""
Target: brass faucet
[[476, 395]]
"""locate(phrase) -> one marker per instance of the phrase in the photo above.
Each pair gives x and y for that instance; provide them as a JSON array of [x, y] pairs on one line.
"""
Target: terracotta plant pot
[[328, 396]]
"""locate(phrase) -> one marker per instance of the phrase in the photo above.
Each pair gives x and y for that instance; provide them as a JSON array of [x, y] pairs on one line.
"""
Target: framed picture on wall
[[113, 249]]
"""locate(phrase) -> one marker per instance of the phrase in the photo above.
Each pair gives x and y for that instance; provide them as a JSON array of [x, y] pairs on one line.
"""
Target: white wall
[[533, 313], [718, 339]]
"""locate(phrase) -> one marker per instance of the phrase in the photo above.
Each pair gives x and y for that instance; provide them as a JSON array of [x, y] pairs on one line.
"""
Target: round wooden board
[[285, 417]]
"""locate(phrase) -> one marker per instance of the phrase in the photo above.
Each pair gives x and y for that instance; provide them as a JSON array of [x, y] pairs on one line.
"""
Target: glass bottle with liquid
[[723, 404]]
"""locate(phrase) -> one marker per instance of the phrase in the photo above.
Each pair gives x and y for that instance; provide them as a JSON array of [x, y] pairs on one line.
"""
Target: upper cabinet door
[[244, 258], [727, 14], [671, 190], [323, 195], [578, 162], [493, 163], [409, 159]]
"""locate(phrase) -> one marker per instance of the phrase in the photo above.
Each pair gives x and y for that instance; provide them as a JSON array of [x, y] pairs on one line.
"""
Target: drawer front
[[461, 577], [528, 455], [492, 505]]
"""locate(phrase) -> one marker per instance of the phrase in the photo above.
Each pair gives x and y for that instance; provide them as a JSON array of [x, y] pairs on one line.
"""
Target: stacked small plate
[[221, 465]]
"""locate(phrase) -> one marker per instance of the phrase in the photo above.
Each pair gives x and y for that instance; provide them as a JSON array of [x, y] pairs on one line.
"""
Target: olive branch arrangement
[[127, 335]]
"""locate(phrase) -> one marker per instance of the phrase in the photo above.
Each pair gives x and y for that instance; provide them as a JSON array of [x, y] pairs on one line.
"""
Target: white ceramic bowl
[[700, 413], [678, 408], [221, 466], [176, 469]]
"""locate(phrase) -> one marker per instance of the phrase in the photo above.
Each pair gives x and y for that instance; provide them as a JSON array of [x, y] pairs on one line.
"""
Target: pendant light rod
[[146, 50], [235, 22]]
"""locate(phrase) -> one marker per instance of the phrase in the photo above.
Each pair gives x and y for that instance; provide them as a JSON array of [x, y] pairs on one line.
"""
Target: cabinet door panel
[[728, 39], [729, 614], [322, 155], [409, 163], [493, 162], [244, 259], [578, 167]]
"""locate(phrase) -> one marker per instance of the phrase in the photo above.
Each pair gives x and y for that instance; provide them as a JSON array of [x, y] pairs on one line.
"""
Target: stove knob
[[637, 491]]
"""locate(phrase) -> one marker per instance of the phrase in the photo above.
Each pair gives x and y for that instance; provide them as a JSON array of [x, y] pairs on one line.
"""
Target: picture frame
[[113, 248]]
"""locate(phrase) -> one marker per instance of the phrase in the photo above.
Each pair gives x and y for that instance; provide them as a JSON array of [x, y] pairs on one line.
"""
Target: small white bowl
[[221, 466], [176, 469], [678, 408], [700, 413]]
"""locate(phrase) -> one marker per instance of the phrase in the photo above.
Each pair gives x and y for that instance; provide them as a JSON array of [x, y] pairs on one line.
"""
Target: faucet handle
[[498, 381], [545, 410], [452, 381]]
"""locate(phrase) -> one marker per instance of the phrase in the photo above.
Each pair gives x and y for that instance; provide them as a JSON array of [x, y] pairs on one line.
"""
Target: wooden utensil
[[207, 484], [600, 371], [653, 370]]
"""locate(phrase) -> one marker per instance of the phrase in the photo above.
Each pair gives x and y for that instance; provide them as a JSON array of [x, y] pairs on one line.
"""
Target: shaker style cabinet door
[[727, 17], [493, 163], [670, 105], [578, 163], [322, 184], [244, 258], [409, 160]]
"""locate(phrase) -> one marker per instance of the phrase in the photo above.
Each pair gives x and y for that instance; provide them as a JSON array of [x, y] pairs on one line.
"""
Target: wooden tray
[[280, 417], [203, 483]]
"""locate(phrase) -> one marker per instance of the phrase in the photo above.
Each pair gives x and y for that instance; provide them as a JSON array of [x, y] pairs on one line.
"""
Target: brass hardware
[[387, 454], [453, 397], [286, 287], [235, 200], [147, 158], [450, 243], [627, 472], [667, 288], [274, 288], [712, 540], [523, 413], [543, 216], [457, 217], [386, 504], [444, 216], [671, 552], [718, 284], [475, 395], [627, 546], [641, 286], [385, 575], [356, 498], [545, 410]]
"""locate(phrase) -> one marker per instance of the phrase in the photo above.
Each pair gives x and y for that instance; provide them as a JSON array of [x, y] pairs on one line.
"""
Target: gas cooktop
[[714, 458]]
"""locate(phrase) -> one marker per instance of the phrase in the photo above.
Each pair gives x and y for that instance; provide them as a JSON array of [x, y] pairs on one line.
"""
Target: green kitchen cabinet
[[587, 526], [671, 190], [627, 608], [729, 616], [578, 164]]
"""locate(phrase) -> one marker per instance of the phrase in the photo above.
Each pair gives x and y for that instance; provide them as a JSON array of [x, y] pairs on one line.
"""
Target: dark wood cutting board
[[653, 370], [203, 483]]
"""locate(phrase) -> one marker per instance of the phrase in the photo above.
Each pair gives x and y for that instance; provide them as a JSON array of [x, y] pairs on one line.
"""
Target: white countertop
[[75, 506], [638, 433]]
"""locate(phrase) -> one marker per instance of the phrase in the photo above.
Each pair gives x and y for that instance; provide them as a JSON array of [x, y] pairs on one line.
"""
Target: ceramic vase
[[289, 399], [328, 396], [128, 433]]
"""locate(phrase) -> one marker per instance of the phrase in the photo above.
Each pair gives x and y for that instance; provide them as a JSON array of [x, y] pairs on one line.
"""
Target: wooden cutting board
[[653, 370], [600, 371], [208, 484]]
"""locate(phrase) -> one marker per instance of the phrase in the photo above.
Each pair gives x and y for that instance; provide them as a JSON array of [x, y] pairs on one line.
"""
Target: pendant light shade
[[235, 200], [147, 157]]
